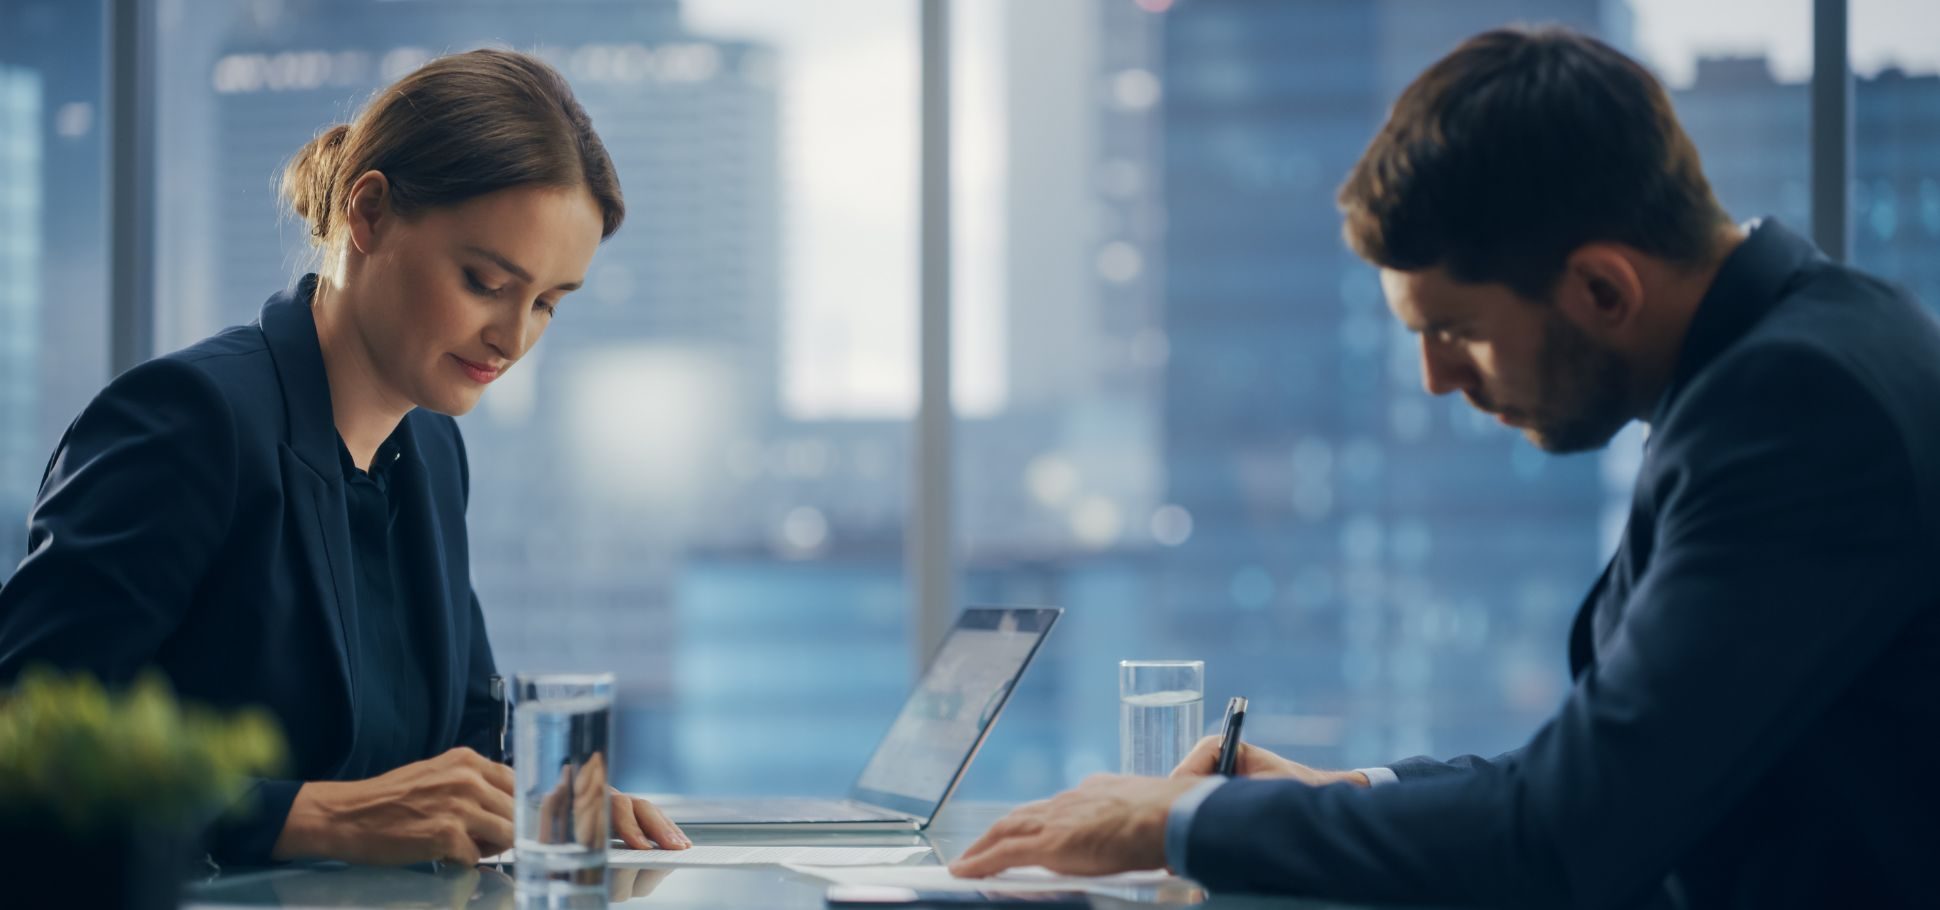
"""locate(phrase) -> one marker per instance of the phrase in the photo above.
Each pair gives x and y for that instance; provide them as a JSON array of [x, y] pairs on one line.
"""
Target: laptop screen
[[952, 709]]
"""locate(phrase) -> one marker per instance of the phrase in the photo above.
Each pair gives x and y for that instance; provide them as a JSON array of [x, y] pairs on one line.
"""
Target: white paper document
[[717, 855], [938, 878]]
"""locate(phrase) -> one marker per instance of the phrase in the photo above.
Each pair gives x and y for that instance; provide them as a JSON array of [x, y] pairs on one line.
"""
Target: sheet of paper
[[938, 878], [717, 855]]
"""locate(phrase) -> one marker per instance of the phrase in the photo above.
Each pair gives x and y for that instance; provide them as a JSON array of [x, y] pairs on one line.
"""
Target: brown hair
[[458, 127], [1519, 147]]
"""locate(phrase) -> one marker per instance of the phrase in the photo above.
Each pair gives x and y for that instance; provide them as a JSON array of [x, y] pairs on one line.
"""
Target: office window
[[53, 296], [697, 480], [1186, 416], [1895, 190]]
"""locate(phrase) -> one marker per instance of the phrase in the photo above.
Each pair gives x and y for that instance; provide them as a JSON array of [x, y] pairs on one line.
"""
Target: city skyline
[[1184, 412]]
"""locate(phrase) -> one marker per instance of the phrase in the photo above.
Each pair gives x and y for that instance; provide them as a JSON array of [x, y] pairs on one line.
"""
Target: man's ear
[[1600, 289], [367, 213]]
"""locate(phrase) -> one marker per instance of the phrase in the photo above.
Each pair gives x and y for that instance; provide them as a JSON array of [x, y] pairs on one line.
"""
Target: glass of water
[[562, 733], [1161, 713]]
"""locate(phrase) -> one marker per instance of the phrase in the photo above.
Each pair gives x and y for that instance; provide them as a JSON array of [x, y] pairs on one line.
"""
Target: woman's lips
[[478, 372]]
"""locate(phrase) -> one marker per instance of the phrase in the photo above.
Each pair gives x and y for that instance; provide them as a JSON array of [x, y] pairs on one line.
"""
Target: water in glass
[[1156, 729]]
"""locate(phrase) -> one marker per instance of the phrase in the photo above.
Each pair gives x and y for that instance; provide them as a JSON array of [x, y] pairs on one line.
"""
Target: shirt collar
[[380, 464], [1749, 283]]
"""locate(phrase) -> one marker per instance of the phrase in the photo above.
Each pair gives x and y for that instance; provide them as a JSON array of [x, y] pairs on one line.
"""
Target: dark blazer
[[1757, 673], [193, 519]]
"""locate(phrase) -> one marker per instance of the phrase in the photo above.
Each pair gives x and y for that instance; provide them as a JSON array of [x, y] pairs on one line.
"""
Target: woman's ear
[[367, 212]]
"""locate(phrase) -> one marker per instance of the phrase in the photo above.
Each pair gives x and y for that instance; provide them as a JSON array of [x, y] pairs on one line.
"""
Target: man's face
[[1522, 361]]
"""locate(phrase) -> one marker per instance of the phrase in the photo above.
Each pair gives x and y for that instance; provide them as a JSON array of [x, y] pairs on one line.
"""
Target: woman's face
[[448, 300]]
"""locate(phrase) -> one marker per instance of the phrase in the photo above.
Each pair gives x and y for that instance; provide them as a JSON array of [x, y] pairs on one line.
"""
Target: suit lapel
[[1582, 629], [311, 466]]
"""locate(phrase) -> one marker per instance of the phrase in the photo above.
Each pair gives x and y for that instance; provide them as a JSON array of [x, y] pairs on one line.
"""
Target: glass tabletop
[[686, 888]]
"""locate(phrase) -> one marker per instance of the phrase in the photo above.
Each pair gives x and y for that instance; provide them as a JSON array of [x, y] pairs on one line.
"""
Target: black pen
[[1229, 737]]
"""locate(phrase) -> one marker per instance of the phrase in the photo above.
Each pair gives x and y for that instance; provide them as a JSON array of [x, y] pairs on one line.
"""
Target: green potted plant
[[104, 795]]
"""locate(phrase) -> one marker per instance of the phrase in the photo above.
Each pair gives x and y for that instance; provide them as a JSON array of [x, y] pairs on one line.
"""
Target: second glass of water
[[562, 730], [1161, 713]]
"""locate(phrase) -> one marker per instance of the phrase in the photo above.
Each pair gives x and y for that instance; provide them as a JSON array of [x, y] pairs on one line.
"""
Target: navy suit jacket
[[193, 519], [1756, 675]]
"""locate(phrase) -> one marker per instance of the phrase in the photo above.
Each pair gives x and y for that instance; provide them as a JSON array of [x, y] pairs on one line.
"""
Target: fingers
[[658, 826], [1021, 823], [491, 775], [487, 830], [454, 843], [552, 829], [649, 879], [619, 882], [483, 809], [487, 794], [587, 830], [625, 826], [624, 884], [590, 801], [1006, 852], [1256, 762], [461, 886], [592, 772], [1201, 761], [499, 776]]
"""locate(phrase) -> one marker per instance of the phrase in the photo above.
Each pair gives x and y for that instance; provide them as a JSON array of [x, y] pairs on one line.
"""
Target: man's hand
[[457, 806], [1257, 762], [1109, 824]]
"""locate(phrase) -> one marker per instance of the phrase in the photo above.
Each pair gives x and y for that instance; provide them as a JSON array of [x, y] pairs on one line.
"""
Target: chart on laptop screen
[[957, 698]]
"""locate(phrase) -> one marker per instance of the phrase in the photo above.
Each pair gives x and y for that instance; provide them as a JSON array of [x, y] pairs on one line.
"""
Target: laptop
[[919, 761]]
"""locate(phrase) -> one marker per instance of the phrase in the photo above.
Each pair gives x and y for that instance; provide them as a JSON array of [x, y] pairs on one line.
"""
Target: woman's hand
[[457, 806], [1257, 762], [642, 825], [635, 822], [624, 883], [571, 812]]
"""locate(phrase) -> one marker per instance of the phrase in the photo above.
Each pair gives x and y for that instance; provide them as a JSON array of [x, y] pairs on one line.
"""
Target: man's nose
[[1442, 373]]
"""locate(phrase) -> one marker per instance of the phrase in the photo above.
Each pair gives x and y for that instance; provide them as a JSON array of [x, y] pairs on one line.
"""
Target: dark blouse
[[386, 633]]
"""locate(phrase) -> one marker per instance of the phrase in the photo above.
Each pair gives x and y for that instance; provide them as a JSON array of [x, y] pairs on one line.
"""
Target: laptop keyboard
[[776, 810]]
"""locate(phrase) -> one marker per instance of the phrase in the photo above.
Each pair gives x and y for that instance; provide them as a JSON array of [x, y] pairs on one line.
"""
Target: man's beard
[[1585, 389]]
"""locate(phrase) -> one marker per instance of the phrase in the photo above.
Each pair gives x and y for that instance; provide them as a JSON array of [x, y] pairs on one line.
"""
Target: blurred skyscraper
[[1737, 113], [53, 289], [21, 185]]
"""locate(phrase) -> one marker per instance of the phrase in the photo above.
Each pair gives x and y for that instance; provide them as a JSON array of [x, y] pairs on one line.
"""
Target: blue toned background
[[1182, 411]]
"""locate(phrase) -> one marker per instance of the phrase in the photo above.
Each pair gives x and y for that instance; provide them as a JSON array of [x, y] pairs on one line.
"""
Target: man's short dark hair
[[1519, 147]]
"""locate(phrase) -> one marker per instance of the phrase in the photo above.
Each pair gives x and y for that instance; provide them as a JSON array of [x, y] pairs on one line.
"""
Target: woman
[[275, 515]]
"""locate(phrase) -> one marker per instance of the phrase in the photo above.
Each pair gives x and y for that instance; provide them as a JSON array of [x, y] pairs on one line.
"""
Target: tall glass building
[[22, 143], [53, 286], [1737, 111]]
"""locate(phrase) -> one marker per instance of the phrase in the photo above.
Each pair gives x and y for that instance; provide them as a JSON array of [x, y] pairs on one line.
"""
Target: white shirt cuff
[[1378, 776]]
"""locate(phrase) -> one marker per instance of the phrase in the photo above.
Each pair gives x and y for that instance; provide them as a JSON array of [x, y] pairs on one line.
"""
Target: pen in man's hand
[[1229, 737]]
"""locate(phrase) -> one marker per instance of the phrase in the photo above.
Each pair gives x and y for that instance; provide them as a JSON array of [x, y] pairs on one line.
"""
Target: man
[[1754, 675]]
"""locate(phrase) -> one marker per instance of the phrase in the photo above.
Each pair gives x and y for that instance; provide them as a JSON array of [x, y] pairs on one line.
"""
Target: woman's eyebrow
[[514, 268]]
